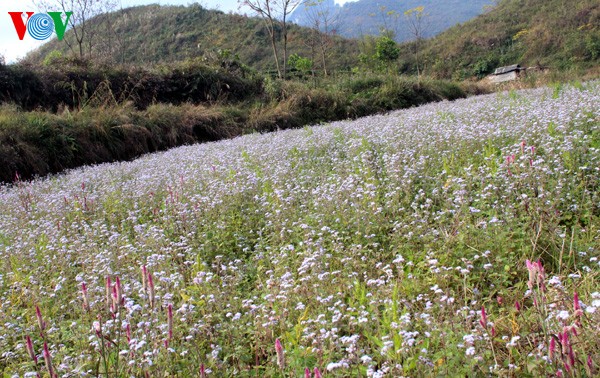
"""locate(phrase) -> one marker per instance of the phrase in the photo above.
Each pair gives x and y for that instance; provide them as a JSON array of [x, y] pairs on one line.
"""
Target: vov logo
[[40, 26]]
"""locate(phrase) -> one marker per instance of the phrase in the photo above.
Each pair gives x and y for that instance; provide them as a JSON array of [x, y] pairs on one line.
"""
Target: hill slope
[[153, 33], [549, 33], [363, 17]]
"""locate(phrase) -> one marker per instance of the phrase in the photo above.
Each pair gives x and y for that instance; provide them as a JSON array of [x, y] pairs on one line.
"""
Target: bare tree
[[274, 12], [286, 8], [417, 22], [324, 21], [79, 22]]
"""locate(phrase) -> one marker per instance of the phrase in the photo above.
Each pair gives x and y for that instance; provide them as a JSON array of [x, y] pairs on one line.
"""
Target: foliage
[[300, 63], [453, 239], [104, 115], [153, 34], [75, 84], [386, 50], [537, 33]]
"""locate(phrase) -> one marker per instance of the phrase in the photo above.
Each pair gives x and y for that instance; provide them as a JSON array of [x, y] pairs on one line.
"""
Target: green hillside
[[547, 33], [154, 33]]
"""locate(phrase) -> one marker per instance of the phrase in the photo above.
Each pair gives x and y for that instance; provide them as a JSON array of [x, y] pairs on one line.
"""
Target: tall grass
[[101, 123]]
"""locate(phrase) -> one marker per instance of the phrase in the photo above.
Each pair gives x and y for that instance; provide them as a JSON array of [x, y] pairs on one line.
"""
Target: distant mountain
[[368, 17], [163, 34]]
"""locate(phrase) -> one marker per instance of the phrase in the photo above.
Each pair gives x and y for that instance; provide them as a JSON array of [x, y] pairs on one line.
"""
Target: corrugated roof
[[507, 69]]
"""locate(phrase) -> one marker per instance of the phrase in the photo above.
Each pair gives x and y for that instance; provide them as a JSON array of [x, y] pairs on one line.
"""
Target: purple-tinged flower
[[552, 348], [144, 278], [307, 373], [97, 325], [30, 349], [280, 356], [128, 333], [40, 320], [202, 371], [317, 373], [84, 294], [48, 360], [483, 321], [119, 292], [518, 306], [564, 340], [537, 275], [150, 290]]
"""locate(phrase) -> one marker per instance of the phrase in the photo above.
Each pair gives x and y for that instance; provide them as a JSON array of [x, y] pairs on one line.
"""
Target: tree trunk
[[284, 26], [274, 46]]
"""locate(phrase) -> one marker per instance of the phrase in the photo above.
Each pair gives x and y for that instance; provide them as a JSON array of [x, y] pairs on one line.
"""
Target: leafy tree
[[386, 50], [301, 64]]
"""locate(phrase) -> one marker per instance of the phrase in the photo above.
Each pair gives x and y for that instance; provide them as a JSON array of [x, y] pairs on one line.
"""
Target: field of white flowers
[[454, 239]]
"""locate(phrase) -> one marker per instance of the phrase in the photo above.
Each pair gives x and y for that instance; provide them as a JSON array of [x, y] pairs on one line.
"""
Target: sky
[[12, 49]]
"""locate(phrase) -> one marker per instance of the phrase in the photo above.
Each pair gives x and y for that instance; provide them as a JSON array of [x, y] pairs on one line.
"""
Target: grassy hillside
[[153, 33], [454, 239], [550, 33]]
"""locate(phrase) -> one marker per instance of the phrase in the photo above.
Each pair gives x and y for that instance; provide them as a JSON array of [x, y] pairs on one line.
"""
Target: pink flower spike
[[128, 333], [551, 348], [483, 321], [517, 306], [84, 293], [48, 360], [564, 341], [576, 304], [114, 305], [30, 349], [280, 356], [144, 277], [307, 373], [317, 373], [150, 290], [202, 371], [41, 322], [590, 363], [119, 291]]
